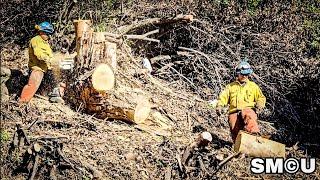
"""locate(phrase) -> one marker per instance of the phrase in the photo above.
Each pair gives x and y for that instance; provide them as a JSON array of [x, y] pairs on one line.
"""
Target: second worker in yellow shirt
[[245, 100], [40, 59]]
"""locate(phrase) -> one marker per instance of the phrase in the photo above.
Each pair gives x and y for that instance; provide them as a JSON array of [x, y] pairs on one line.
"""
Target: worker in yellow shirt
[[40, 59], [245, 100]]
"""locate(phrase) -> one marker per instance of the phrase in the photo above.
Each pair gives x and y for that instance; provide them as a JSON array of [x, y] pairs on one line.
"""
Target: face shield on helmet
[[244, 68], [45, 27]]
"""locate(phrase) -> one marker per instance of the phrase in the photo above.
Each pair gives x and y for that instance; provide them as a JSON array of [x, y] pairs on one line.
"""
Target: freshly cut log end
[[207, 136], [257, 146], [103, 78], [204, 139]]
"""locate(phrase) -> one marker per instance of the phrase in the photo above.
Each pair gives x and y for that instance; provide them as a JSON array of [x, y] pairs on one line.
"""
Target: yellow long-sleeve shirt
[[40, 54], [247, 95]]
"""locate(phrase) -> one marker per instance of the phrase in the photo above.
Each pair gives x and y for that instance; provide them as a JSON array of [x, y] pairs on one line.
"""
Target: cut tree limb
[[144, 36], [257, 146], [84, 42], [227, 160], [156, 21], [160, 57]]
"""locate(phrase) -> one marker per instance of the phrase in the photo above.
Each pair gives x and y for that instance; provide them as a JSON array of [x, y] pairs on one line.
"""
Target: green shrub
[[253, 6], [4, 136]]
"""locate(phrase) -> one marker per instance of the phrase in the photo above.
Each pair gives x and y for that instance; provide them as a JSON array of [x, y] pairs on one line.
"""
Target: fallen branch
[[33, 123], [144, 36], [227, 160], [156, 21], [207, 57], [160, 57], [35, 166]]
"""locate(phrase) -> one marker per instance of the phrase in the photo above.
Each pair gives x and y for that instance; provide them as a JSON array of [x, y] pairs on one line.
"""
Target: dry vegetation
[[279, 39]]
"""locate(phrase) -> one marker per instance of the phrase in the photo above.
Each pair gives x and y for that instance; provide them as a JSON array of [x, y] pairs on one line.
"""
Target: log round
[[103, 78]]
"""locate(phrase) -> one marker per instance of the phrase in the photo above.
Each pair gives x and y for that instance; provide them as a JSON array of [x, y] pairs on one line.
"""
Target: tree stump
[[92, 87], [83, 44]]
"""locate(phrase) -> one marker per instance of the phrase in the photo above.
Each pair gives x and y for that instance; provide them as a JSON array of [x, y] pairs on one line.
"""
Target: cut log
[[94, 74], [257, 146], [111, 104], [103, 78]]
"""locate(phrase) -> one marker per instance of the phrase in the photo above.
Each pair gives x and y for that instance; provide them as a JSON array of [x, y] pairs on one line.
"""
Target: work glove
[[49, 66], [259, 110], [219, 110]]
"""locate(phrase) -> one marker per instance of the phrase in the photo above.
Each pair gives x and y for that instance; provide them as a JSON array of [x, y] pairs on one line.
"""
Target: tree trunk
[[83, 44]]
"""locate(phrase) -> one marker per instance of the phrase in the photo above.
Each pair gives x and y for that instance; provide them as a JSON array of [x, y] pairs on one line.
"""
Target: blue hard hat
[[244, 68], [45, 27]]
